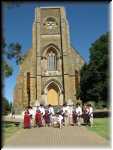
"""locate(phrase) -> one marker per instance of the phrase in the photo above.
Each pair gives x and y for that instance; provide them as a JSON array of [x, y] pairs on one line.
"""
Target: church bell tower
[[50, 45]]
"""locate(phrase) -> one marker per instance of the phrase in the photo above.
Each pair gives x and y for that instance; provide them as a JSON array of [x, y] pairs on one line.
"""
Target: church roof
[[76, 51]]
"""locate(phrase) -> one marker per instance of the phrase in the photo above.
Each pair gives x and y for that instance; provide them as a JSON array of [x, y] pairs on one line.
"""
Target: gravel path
[[72, 136]]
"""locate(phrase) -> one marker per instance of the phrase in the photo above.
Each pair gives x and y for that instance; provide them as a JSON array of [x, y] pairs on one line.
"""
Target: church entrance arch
[[54, 93]]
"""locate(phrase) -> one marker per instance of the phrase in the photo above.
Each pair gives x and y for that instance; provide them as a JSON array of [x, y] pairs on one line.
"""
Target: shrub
[[101, 104], [6, 106]]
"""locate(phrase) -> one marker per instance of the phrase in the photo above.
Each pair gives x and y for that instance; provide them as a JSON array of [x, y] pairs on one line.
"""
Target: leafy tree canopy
[[95, 75], [9, 52]]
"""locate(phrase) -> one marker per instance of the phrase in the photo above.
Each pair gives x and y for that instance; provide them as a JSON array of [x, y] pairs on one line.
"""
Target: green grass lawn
[[9, 129], [102, 126]]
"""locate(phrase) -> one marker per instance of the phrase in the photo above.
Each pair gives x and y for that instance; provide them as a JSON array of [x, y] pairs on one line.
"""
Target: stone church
[[52, 63]]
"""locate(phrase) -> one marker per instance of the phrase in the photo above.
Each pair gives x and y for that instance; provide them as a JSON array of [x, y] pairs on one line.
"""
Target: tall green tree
[[6, 68], [9, 52], [94, 84]]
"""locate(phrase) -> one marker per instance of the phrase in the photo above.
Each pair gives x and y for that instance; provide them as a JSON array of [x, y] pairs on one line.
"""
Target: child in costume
[[27, 119], [38, 118]]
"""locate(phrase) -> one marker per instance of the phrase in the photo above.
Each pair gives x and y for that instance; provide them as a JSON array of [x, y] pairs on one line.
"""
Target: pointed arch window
[[52, 63]]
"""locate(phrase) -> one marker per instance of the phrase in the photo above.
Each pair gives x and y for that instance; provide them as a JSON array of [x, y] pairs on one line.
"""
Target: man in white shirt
[[90, 114], [66, 109], [51, 110], [79, 113], [42, 110], [65, 112], [51, 113], [71, 114]]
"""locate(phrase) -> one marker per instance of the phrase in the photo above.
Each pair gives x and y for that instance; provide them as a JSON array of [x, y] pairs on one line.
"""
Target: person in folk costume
[[79, 113], [65, 114], [62, 112], [27, 119], [42, 110], [60, 119], [34, 109], [47, 117], [51, 113], [38, 118], [74, 115], [90, 115], [34, 113], [31, 115], [71, 114], [85, 113], [13, 113]]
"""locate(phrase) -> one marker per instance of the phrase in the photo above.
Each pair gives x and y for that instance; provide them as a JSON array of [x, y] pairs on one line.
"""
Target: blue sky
[[87, 21]]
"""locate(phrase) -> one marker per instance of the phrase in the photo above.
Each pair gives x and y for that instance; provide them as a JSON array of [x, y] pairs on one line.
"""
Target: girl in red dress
[[27, 119], [38, 118]]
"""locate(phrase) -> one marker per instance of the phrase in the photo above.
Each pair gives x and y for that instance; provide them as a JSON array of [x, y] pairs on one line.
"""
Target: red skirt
[[38, 119], [47, 118], [27, 123]]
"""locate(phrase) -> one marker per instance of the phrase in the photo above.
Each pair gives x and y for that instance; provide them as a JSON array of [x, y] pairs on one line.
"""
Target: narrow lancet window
[[52, 66]]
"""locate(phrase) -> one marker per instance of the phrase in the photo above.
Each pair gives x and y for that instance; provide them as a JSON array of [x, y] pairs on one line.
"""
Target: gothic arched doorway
[[53, 94]]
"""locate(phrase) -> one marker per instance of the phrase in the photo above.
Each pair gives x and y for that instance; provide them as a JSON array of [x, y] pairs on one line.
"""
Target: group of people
[[65, 115]]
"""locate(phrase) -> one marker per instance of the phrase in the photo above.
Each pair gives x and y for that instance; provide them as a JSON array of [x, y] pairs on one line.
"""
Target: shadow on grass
[[7, 125]]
